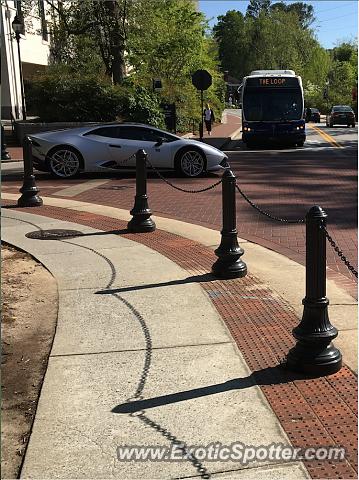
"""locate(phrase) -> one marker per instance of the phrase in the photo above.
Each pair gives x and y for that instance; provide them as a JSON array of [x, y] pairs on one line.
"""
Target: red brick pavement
[[317, 412]]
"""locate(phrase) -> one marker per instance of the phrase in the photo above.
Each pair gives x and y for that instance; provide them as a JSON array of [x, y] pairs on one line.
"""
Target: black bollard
[[314, 353], [29, 190], [5, 155], [141, 213], [229, 252]]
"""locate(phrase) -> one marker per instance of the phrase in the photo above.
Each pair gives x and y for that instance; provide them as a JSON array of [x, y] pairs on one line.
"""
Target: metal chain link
[[278, 219], [339, 252], [179, 188], [127, 159]]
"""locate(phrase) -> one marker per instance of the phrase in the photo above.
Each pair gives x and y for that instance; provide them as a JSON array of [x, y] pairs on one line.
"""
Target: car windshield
[[314, 110], [342, 108], [270, 104]]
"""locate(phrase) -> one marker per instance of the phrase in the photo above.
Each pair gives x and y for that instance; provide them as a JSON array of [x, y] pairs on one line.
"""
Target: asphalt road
[[284, 182]]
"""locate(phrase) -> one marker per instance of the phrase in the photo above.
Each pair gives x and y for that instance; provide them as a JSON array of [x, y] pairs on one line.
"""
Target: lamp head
[[17, 25]]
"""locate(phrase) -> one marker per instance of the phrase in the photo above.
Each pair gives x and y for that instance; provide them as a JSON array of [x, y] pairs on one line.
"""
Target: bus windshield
[[272, 104]]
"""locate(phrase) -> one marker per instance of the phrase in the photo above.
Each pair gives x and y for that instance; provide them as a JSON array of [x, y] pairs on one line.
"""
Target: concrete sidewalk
[[130, 322]]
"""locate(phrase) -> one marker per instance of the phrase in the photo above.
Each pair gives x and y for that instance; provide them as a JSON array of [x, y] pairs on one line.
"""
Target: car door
[[106, 145], [158, 146], [134, 137]]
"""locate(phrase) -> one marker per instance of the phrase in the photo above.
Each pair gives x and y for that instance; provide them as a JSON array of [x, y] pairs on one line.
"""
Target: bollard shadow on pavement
[[205, 277], [268, 376]]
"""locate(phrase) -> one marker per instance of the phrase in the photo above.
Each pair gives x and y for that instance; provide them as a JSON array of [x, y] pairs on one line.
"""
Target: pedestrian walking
[[230, 101], [208, 118]]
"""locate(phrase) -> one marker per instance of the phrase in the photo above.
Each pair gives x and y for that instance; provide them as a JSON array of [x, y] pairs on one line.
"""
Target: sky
[[336, 20]]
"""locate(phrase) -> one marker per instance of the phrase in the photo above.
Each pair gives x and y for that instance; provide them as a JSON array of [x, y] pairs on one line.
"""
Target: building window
[[17, 5], [45, 35]]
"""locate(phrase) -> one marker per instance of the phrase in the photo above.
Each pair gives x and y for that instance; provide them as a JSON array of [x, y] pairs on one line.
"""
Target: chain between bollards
[[229, 264], [29, 190], [141, 213], [314, 354]]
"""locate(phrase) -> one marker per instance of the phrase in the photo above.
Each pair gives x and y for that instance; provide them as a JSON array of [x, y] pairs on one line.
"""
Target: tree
[[256, 7], [343, 73], [233, 43], [105, 22], [304, 11]]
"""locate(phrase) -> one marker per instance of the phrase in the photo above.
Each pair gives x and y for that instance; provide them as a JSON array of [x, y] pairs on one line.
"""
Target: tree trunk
[[116, 40]]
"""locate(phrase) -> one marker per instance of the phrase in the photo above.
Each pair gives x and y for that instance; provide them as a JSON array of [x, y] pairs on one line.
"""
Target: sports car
[[67, 153]]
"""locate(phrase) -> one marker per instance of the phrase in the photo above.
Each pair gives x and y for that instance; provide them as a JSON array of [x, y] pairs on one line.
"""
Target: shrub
[[65, 98], [59, 96], [140, 105]]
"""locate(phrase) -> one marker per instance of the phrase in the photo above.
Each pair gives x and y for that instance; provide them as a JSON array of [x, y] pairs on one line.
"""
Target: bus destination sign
[[288, 82]]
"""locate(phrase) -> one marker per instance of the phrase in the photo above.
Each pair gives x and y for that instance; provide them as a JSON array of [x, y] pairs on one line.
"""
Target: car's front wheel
[[190, 162], [64, 162]]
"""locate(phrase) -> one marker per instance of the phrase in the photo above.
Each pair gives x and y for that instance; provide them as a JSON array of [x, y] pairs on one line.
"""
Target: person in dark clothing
[[208, 116]]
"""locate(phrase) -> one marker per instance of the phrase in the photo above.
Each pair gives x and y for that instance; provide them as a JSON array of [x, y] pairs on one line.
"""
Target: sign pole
[[201, 124], [202, 80]]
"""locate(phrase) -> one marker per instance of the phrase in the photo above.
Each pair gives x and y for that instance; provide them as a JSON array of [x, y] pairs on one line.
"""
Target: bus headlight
[[246, 129]]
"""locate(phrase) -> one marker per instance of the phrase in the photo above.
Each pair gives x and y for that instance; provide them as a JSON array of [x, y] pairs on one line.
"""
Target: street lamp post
[[17, 26]]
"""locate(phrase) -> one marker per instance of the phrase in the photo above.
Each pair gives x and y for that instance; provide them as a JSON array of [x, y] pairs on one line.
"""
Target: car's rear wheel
[[64, 162], [190, 162]]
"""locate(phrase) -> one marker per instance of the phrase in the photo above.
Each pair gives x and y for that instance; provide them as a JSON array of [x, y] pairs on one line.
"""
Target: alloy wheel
[[192, 163], [64, 163]]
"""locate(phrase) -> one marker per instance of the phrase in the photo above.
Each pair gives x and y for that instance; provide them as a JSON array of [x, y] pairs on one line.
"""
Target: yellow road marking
[[326, 136]]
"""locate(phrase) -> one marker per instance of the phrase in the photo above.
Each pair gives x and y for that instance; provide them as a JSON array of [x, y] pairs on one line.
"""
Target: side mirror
[[159, 142]]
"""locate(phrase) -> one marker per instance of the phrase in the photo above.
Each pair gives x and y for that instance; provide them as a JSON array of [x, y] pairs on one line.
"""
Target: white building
[[34, 52]]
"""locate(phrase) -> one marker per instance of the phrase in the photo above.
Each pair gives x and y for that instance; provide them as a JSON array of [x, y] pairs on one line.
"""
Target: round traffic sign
[[201, 79]]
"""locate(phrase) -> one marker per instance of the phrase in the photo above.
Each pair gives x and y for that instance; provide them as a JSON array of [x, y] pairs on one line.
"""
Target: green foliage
[[169, 43], [61, 96], [152, 38], [58, 96], [304, 12], [266, 41], [257, 7], [141, 105], [278, 36]]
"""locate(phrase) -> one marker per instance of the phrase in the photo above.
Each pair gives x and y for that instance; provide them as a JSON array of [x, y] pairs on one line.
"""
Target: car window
[[342, 108], [110, 132], [144, 134]]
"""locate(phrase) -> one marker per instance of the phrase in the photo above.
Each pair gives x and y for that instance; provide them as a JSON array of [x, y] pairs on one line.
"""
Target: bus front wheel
[[300, 144]]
